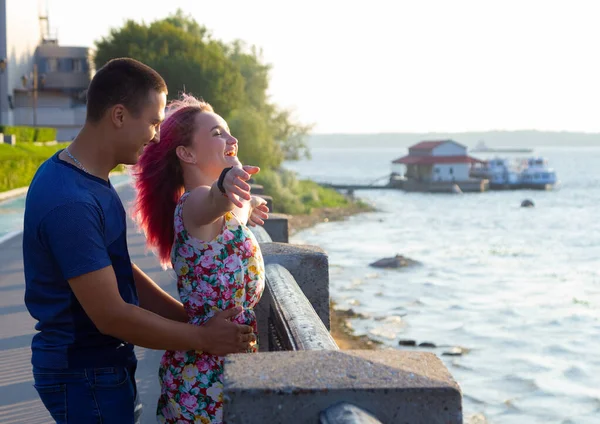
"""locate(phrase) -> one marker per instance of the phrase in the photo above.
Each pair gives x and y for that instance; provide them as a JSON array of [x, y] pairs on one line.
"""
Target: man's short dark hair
[[122, 81]]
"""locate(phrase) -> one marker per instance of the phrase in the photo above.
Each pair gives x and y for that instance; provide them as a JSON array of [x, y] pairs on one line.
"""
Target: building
[[19, 37], [437, 166], [46, 87]]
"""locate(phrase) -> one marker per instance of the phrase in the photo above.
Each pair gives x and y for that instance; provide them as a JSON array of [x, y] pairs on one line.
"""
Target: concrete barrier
[[295, 387], [9, 139], [256, 188], [309, 266], [293, 322], [278, 227]]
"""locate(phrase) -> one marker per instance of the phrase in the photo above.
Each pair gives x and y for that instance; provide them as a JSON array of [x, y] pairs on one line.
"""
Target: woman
[[193, 176]]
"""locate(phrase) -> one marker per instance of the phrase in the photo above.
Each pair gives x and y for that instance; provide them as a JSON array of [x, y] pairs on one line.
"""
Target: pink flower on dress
[[207, 262], [248, 246], [189, 402], [179, 356], [215, 248], [166, 413], [169, 380], [195, 301], [203, 366], [232, 262], [227, 235], [185, 251], [208, 292]]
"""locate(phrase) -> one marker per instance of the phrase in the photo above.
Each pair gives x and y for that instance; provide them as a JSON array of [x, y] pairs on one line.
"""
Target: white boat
[[501, 173], [537, 174], [483, 148]]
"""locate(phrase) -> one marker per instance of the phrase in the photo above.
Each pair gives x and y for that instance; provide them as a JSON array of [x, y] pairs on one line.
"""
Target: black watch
[[222, 178]]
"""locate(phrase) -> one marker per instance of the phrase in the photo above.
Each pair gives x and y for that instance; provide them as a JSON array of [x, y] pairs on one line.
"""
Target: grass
[[19, 163], [296, 197]]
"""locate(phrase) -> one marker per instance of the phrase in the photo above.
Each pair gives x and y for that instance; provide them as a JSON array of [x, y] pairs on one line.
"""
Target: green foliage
[[233, 78], [183, 53], [256, 144], [19, 163], [316, 196], [44, 134], [23, 134], [29, 134], [293, 196]]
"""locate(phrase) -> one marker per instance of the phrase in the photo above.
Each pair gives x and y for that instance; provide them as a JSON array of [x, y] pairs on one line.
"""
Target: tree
[[289, 134], [256, 143], [231, 77]]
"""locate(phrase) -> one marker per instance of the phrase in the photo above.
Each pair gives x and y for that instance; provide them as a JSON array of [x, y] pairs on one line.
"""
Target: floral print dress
[[211, 276]]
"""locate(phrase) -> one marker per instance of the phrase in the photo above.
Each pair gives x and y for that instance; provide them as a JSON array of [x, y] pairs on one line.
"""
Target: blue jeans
[[89, 396]]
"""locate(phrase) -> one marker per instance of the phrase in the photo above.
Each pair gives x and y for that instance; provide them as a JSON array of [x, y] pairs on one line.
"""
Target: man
[[91, 303]]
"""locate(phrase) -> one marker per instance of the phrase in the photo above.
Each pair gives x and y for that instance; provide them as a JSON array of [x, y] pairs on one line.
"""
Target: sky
[[398, 66]]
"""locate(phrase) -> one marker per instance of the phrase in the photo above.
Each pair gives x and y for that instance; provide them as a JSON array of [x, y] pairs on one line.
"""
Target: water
[[11, 210], [519, 287]]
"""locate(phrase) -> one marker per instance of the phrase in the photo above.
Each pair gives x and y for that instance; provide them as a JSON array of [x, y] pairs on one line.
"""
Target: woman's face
[[213, 145]]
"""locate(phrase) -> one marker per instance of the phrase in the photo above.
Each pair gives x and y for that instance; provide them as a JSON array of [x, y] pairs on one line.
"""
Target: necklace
[[74, 159]]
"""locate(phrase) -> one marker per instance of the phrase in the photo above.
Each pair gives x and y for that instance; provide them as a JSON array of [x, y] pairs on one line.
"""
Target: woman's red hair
[[158, 177]]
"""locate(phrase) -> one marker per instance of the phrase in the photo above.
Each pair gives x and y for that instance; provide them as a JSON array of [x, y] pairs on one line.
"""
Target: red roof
[[433, 160], [430, 145], [427, 145]]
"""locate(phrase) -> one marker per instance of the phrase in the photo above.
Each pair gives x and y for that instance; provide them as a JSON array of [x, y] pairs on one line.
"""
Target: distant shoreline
[[493, 139]]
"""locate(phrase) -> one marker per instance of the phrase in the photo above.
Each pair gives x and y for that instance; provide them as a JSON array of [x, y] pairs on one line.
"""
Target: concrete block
[[9, 139], [260, 234], [295, 387], [256, 189], [262, 310], [296, 325], [309, 266], [278, 227]]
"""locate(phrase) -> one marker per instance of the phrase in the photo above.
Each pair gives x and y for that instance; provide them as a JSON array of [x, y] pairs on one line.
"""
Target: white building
[[19, 36], [435, 161], [43, 84]]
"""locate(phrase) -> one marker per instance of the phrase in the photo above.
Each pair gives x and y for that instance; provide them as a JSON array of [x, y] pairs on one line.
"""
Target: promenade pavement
[[19, 402]]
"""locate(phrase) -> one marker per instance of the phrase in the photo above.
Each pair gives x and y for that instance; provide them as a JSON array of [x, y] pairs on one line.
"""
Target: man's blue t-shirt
[[74, 224]]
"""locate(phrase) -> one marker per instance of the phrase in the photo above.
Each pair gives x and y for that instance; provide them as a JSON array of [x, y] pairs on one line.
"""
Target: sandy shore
[[340, 329]]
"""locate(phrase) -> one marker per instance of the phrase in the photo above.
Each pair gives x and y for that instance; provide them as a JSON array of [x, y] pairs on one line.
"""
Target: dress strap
[[180, 231]]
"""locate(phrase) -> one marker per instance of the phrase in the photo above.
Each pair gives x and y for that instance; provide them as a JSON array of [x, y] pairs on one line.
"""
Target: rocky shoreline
[[341, 329], [301, 222]]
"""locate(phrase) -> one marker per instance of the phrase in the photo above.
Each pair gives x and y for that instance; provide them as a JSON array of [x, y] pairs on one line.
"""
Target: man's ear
[[117, 115]]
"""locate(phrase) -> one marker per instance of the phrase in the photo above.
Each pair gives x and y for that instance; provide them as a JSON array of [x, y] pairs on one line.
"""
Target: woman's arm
[[207, 204]]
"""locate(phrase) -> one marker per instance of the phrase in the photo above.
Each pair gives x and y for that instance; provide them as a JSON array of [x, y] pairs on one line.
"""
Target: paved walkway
[[19, 402]]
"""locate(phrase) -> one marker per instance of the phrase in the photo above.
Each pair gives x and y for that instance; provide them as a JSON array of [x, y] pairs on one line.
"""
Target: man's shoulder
[[55, 187]]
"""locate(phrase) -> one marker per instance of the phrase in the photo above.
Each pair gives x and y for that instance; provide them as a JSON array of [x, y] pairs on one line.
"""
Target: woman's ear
[[185, 155]]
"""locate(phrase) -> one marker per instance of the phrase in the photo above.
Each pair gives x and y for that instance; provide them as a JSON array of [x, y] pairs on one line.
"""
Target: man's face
[[142, 130]]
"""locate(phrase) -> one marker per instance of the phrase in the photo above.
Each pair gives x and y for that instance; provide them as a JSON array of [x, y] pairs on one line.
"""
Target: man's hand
[[258, 211], [220, 336]]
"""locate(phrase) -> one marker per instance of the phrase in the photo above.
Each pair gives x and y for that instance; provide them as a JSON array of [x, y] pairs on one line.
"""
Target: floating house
[[436, 166]]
